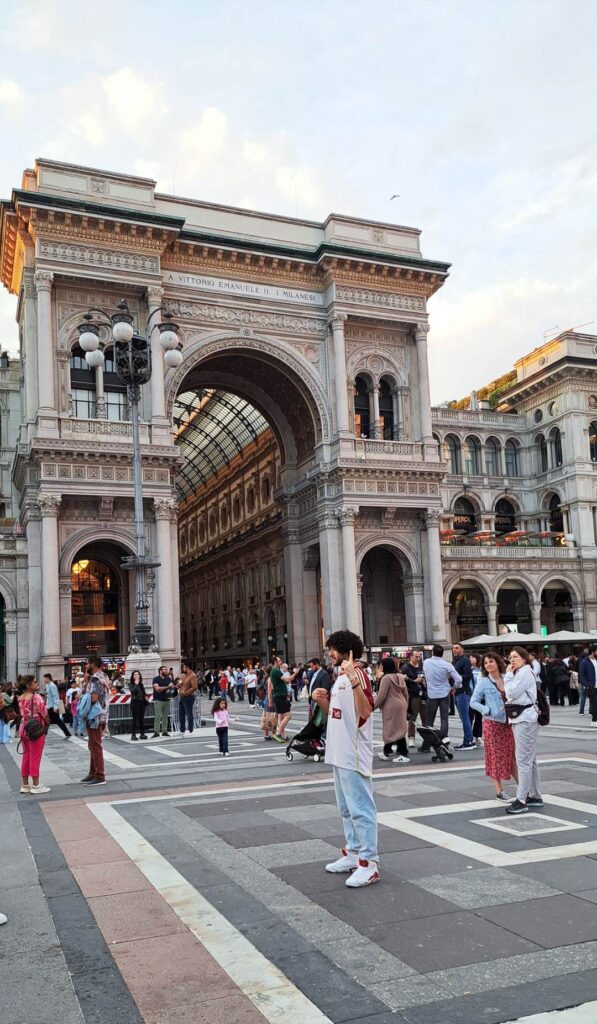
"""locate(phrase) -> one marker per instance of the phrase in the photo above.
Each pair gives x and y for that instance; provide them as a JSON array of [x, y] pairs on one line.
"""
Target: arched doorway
[[467, 611], [248, 423], [558, 607], [383, 605], [99, 612], [513, 608]]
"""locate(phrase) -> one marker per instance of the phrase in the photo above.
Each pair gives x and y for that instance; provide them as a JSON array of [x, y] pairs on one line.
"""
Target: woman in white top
[[521, 690]]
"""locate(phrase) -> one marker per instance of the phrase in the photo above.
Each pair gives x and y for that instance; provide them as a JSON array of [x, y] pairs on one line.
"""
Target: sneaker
[[401, 759], [142, 736], [96, 782], [155, 736], [166, 734], [226, 754], [86, 779], [517, 807], [347, 862], [366, 874], [465, 746], [385, 757], [3, 919], [134, 738], [279, 739], [411, 742], [593, 725], [25, 789], [39, 789], [479, 742], [503, 797], [534, 801]]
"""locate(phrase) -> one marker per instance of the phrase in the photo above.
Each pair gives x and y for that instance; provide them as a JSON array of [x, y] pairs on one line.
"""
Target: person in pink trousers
[[31, 705]]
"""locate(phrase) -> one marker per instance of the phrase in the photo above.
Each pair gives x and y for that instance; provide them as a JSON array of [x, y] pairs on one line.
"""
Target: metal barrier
[[120, 718]]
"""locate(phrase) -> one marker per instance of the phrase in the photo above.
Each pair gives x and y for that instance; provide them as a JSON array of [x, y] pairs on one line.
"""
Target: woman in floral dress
[[498, 739]]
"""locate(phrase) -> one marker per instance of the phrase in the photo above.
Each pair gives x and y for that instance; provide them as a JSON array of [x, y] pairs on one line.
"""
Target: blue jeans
[[462, 702], [240, 691], [185, 709], [4, 732], [354, 797], [583, 699]]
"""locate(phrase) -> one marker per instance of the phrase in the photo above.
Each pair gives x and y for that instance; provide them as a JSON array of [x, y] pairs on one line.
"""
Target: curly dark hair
[[216, 704], [501, 664], [344, 642]]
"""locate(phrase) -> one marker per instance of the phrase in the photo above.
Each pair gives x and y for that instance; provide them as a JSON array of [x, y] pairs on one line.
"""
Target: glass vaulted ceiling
[[210, 428]]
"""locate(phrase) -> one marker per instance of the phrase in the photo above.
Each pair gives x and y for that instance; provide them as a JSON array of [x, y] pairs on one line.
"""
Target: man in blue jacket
[[587, 677], [462, 697]]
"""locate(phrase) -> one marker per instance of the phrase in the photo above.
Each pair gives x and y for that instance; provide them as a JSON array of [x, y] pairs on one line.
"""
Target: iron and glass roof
[[210, 428]]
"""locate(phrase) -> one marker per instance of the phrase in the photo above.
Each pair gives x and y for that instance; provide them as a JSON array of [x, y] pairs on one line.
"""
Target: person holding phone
[[349, 749], [521, 698]]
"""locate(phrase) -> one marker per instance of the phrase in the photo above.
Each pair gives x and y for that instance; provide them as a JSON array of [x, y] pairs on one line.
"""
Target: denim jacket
[[487, 699]]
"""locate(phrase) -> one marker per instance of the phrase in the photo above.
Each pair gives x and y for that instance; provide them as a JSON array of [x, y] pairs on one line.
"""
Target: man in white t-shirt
[[349, 749]]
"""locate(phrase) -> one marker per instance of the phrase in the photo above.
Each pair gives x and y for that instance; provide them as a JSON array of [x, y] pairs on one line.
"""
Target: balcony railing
[[494, 419], [366, 448], [113, 429], [492, 551]]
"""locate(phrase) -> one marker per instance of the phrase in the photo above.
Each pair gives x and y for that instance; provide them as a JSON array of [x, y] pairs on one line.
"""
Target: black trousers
[[55, 719], [251, 690], [592, 694], [401, 747], [138, 713], [443, 703], [222, 732]]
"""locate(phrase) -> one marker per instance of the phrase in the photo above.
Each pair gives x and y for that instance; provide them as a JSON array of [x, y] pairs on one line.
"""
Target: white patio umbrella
[[483, 640], [521, 639], [567, 636]]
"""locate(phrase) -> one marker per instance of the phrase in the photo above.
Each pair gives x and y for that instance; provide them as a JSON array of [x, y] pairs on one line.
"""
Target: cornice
[[99, 211]]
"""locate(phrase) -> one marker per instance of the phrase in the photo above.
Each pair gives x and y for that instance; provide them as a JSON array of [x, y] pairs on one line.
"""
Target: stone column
[[158, 399], [374, 417], [175, 581], [49, 505], [535, 607], [346, 517], [491, 613], [295, 602], [337, 324], [164, 510], [311, 605], [436, 592], [45, 347], [412, 588], [423, 380], [331, 577], [30, 344], [397, 413], [100, 398], [10, 634]]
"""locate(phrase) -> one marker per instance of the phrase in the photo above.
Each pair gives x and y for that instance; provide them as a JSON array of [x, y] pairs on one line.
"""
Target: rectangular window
[[83, 404], [116, 405]]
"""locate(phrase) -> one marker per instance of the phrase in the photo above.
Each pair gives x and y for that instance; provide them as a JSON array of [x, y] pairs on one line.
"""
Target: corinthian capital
[[337, 321], [155, 294], [327, 521], [347, 515], [43, 280], [165, 508], [49, 504], [433, 518], [421, 332]]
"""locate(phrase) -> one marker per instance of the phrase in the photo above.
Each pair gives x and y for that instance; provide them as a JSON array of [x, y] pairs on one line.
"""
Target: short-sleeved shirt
[[279, 685], [161, 681], [349, 740]]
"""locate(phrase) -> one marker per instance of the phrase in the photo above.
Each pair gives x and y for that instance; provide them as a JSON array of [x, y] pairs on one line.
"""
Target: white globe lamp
[[173, 358], [122, 331], [94, 359], [89, 341], [168, 340]]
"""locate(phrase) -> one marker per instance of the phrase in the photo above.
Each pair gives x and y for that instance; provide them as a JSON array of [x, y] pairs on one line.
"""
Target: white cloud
[[204, 140], [136, 103], [12, 97]]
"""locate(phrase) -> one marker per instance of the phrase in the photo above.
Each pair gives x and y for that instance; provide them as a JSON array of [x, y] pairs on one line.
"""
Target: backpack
[[543, 712]]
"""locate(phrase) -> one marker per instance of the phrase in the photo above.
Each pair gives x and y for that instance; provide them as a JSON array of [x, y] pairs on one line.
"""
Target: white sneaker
[[593, 725], [384, 757], [411, 742], [25, 789], [347, 862], [366, 874], [39, 789], [401, 759], [3, 919], [479, 742]]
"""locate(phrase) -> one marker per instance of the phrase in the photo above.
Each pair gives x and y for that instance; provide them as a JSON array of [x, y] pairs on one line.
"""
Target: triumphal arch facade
[[291, 480]]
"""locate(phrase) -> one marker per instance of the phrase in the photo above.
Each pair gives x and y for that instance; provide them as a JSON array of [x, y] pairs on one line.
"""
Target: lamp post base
[[147, 663]]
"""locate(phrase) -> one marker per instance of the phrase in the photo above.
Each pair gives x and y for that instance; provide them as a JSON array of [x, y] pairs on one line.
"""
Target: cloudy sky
[[482, 114]]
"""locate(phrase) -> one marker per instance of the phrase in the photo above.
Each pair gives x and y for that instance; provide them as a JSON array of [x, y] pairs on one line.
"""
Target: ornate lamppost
[[132, 357]]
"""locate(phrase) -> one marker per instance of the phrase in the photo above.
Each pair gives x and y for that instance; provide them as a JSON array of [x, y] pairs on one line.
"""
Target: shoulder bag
[[34, 728]]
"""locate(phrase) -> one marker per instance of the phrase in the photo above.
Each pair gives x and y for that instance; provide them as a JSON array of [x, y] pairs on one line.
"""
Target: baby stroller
[[441, 749], [309, 741]]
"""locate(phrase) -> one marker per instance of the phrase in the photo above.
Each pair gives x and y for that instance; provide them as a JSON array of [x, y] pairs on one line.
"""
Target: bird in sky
[[396, 196]]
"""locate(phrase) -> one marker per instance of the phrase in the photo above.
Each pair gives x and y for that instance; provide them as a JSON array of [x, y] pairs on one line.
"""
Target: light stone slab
[[585, 1014], [281, 854], [484, 887]]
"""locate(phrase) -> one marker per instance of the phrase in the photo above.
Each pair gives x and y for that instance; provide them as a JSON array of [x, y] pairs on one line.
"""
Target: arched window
[[505, 516], [556, 518], [471, 456], [555, 437], [82, 384], [593, 440], [511, 458], [543, 459], [361, 408], [452, 455], [492, 457], [464, 515], [386, 410], [95, 608]]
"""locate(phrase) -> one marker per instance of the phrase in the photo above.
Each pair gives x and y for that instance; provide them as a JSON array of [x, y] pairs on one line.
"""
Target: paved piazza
[[194, 887]]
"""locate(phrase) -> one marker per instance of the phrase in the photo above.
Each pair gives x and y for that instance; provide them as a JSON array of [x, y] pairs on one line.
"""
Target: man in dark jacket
[[462, 697], [587, 677], [558, 681]]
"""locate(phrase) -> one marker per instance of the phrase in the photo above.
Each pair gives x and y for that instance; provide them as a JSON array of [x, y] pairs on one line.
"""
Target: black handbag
[[34, 728]]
